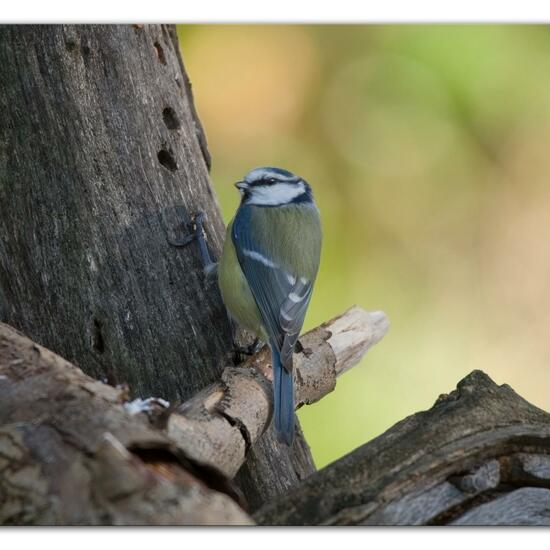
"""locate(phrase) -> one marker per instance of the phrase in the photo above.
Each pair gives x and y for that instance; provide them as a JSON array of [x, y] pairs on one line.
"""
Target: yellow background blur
[[428, 149]]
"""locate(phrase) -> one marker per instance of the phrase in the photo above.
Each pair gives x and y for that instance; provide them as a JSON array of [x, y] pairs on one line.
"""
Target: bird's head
[[270, 186]]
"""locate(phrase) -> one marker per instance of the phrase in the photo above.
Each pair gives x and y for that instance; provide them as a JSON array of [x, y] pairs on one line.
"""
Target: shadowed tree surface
[[102, 160]]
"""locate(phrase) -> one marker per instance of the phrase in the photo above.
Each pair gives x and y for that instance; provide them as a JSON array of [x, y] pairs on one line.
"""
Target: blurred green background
[[428, 149]]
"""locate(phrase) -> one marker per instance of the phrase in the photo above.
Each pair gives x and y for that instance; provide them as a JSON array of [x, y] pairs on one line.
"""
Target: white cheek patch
[[279, 193]]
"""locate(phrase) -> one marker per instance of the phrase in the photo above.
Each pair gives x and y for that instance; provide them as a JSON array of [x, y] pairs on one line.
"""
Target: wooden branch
[[480, 455], [76, 451], [70, 454], [222, 422]]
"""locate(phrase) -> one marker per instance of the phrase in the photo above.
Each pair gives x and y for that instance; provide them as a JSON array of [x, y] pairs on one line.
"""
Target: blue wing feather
[[275, 290], [282, 299]]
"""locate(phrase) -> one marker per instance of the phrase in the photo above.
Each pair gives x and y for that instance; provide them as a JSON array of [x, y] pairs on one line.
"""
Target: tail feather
[[283, 397]]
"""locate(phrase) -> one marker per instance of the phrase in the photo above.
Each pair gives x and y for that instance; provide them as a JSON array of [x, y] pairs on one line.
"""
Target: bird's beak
[[241, 185]]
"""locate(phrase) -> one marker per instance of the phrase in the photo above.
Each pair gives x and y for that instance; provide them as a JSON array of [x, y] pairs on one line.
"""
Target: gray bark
[[70, 454], [102, 160], [480, 455], [74, 451]]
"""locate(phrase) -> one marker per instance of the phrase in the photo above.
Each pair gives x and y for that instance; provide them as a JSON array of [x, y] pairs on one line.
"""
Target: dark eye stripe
[[267, 181], [273, 181]]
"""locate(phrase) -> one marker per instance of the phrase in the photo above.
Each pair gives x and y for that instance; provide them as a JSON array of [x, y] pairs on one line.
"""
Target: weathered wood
[[223, 421], [102, 160], [529, 469], [420, 507], [526, 506], [50, 408], [474, 446], [71, 455], [71, 452], [254, 477]]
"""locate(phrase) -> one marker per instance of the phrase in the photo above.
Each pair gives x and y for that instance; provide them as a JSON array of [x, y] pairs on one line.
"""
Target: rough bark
[[102, 160], [74, 451], [71, 455], [88, 204], [480, 455], [337, 349]]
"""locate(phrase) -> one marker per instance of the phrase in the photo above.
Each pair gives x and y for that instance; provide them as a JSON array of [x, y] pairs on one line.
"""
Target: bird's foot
[[196, 228], [240, 353]]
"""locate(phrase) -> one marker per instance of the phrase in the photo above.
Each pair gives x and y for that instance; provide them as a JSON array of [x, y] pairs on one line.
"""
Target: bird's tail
[[283, 397]]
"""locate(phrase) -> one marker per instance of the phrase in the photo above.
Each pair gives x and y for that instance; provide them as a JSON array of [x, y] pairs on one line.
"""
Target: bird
[[267, 270]]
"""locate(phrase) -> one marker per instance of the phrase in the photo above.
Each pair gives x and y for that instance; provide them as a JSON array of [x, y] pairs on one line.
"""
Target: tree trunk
[[102, 160]]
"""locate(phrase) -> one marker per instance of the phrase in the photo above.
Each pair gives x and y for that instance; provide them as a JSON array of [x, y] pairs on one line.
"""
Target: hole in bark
[[170, 118], [86, 50], [167, 160], [71, 45], [160, 53], [98, 342]]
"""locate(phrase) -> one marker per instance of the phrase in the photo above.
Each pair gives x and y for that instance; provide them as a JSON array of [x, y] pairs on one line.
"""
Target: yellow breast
[[235, 291]]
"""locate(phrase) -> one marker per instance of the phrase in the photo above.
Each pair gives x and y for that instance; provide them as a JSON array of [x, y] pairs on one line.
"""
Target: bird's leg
[[253, 348], [197, 232], [209, 267], [240, 352]]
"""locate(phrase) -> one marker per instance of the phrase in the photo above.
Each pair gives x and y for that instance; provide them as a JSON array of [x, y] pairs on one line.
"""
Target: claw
[[197, 233], [184, 241], [192, 227], [241, 352]]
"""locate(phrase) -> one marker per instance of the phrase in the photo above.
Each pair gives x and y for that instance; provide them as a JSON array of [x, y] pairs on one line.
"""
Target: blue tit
[[267, 270]]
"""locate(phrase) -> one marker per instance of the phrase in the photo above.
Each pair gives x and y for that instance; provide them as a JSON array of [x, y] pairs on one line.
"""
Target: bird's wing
[[282, 297]]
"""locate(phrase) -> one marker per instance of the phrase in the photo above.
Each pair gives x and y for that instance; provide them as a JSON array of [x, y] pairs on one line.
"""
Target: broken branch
[[218, 425]]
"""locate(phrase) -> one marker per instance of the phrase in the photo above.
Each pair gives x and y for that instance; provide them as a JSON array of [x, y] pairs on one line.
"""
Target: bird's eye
[[271, 180]]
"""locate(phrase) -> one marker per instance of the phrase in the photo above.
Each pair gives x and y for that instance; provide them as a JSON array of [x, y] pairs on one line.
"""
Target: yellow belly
[[235, 291]]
